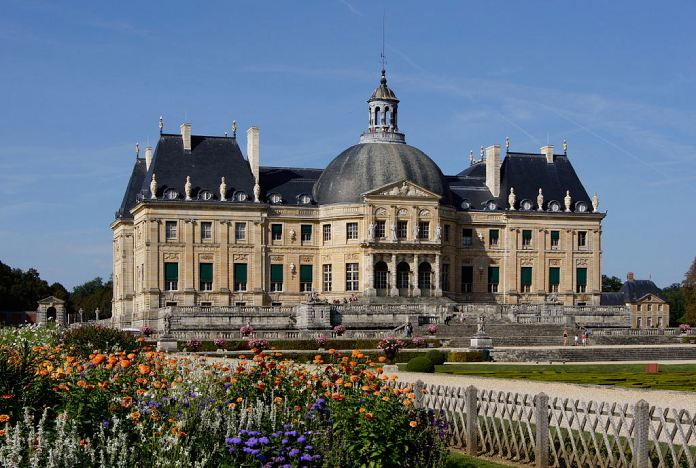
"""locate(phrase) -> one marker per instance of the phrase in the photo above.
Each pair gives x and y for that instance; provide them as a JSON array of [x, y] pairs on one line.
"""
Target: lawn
[[671, 377], [460, 460]]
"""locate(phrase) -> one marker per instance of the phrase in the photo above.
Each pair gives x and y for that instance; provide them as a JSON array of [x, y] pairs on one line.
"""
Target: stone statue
[[234, 129], [187, 187], [293, 234], [481, 325], [567, 200], [167, 321], [415, 231], [393, 233], [257, 193], [438, 233], [512, 198], [540, 200], [153, 187], [223, 190], [595, 202], [371, 232], [404, 189]]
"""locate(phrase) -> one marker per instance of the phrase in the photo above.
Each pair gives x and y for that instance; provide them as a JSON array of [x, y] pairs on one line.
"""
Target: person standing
[[565, 337], [576, 339]]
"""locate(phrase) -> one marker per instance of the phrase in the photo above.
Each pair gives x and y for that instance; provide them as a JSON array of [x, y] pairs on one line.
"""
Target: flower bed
[[138, 407], [311, 344]]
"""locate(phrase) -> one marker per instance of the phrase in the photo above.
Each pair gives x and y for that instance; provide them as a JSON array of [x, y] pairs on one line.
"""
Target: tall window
[[493, 278], [493, 235], [446, 232], [380, 229], [327, 277], [554, 279], [306, 232], [445, 276], [467, 278], [581, 280], [170, 230], [526, 279], [555, 239], [352, 277], [206, 230], [467, 237], [240, 231], [380, 278], [276, 232], [326, 231], [171, 276], [240, 276], [424, 230], [582, 239], [306, 278], [352, 231], [206, 276], [526, 238], [401, 229], [276, 277]]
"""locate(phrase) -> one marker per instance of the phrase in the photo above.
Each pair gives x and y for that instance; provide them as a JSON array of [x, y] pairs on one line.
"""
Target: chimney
[[548, 152], [148, 157], [493, 169], [253, 151], [629, 276], [186, 135]]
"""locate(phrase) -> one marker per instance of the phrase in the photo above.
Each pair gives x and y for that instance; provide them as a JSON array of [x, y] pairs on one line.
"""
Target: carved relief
[[353, 256], [325, 258], [306, 259], [171, 256], [380, 212], [402, 212], [554, 262], [582, 262], [206, 257], [527, 261], [240, 257], [276, 258], [424, 213]]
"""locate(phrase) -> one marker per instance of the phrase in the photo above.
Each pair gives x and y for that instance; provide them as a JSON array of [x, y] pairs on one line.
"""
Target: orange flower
[[413, 424], [127, 401], [4, 418], [332, 351], [408, 402], [125, 364], [3, 432], [362, 410], [81, 383], [369, 416], [134, 415], [385, 398], [382, 359], [7, 396], [98, 359], [144, 369]]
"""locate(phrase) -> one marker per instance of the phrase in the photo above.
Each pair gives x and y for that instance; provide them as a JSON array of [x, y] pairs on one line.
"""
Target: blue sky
[[82, 82]]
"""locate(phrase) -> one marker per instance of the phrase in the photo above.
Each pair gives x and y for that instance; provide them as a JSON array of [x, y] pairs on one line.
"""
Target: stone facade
[[650, 311]]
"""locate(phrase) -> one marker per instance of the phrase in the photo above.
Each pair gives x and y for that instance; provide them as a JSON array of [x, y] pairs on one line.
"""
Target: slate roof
[[289, 182], [634, 290], [132, 190], [612, 299]]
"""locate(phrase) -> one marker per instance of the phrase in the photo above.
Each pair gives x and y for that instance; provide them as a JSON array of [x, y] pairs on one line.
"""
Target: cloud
[[351, 8]]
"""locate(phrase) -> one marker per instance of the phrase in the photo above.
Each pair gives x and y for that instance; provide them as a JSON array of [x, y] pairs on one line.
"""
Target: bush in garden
[[339, 330], [321, 341], [193, 345], [432, 329], [257, 344], [146, 331], [219, 343], [420, 364], [391, 346], [246, 330], [94, 338], [468, 356], [436, 356], [684, 327], [419, 342]]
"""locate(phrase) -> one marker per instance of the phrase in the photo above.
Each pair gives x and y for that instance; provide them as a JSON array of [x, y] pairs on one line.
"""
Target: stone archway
[[51, 308], [403, 273], [425, 272], [51, 314], [381, 278]]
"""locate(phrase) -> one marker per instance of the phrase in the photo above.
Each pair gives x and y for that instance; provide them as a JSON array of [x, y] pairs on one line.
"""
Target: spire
[[383, 115]]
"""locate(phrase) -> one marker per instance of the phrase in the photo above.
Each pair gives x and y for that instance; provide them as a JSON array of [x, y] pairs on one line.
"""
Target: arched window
[[424, 274], [380, 277], [387, 116], [377, 109], [402, 273]]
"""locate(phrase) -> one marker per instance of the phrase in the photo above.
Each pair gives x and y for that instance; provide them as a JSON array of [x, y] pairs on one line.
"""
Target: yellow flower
[[413, 424]]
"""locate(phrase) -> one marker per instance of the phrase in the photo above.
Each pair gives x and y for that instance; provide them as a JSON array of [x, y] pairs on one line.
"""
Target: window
[[276, 278], [351, 277], [352, 231], [493, 278], [467, 237], [240, 231], [493, 235], [401, 229], [582, 239], [326, 230], [526, 238], [326, 272], [380, 229], [205, 195], [424, 230], [276, 198], [206, 230], [171, 276], [170, 230], [444, 276], [276, 232], [206, 276], [305, 278], [240, 196], [581, 280], [446, 233], [555, 239], [649, 307], [526, 279], [659, 322], [306, 232], [638, 324], [380, 276], [467, 278], [649, 322], [206, 304], [240, 276], [554, 279]]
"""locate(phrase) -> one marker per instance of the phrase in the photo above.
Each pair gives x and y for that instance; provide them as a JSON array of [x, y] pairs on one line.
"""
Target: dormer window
[[205, 195], [466, 204], [304, 199], [581, 207], [240, 196], [275, 198], [554, 206], [526, 205], [171, 194], [491, 205]]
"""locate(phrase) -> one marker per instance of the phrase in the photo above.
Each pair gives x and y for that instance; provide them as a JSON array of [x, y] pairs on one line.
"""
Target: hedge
[[304, 345]]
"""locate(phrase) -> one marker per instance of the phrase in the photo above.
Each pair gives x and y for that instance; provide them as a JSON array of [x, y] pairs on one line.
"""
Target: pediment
[[51, 300], [651, 298], [402, 189]]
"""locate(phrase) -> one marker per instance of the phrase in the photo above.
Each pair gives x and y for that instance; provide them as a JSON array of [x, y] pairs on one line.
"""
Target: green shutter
[[240, 272], [493, 274], [581, 274], [555, 235], [206, 270], [305, 273], [171, 272], [554, 275], [277, 273], [467, 274], [526, 275], [493, 235], [277, 229], [306, 229], [527, 234]]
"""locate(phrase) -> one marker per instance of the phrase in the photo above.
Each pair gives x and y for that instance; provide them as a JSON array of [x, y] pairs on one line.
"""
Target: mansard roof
[[635, 290], [132, 190]]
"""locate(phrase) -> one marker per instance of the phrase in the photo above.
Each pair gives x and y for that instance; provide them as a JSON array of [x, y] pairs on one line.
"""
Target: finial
[[507, 144], [137, 150], [161, 124], [481, 152], [234, 129], [225, 134], [565, 147], [471, 157]]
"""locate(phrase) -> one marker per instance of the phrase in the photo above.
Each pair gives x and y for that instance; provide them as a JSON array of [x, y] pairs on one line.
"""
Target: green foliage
[[676, 297], [611, 283], [466, 356], [20, 290], [460, 460], [89, 339], [436, 356], [420, 364], [92, 295]]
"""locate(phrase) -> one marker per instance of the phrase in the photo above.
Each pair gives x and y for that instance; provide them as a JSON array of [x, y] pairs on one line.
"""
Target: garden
[[97, 397]]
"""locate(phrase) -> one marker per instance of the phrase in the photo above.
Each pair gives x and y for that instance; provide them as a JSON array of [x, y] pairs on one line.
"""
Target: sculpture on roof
[[512, 198], [153, 187], [223, 190], [567, 200], [187, 187], [540, 200], [595, 202], [438, 233], [257, 193]]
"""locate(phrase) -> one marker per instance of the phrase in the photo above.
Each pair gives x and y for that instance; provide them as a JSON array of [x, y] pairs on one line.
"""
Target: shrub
[[432, 329], [419, 342], [193, 345], [86, 340], [146, 331], [257, 344], [391, 346], [420, 364], [339, 330], [684, 327], [468, 356], [321, 341], [219, 343], [436, 356]]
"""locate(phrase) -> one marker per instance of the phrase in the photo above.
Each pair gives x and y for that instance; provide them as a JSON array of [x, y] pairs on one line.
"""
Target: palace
[[201, 225]]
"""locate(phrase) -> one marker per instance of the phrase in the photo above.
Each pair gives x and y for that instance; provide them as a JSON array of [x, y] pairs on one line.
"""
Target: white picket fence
[[561, 432]]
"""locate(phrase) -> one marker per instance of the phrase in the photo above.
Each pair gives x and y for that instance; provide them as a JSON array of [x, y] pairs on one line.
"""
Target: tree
[[92, 295], [611, 283], [689, 288], [676, 297], [20, 290]]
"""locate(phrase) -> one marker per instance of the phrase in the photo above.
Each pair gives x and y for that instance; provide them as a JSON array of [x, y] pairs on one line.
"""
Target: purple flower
[[264, 440], [306, 457], [294, 452], [302, 439], [251, 442], [233, 440]]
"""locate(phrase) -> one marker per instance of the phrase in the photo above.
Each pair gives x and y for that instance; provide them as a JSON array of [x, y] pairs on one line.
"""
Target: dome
[[368, 166], [383, 91]]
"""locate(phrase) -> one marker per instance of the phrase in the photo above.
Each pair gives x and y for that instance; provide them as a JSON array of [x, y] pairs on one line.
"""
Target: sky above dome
[[84, 81]]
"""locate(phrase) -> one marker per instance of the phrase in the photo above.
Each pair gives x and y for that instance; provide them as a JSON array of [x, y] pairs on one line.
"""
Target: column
[[369, 285], [224, 270], [392, 277], [438, 288], [416, 289]]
